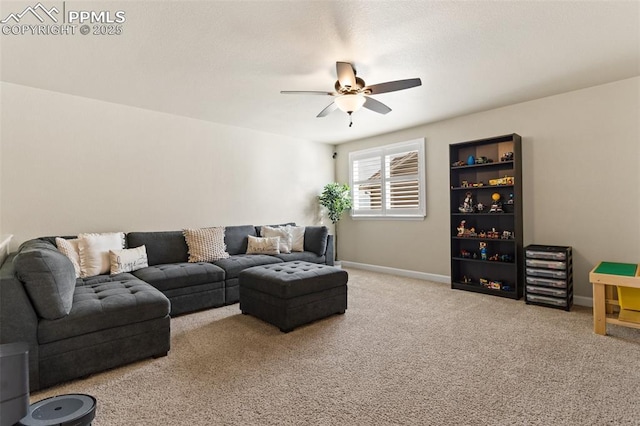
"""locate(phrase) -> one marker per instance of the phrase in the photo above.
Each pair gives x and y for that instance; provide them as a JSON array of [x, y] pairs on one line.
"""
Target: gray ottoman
[[290, 294]]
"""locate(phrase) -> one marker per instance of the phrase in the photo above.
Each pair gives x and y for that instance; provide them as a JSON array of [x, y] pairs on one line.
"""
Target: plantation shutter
[[402, 181], [367, 183], [388, 181]]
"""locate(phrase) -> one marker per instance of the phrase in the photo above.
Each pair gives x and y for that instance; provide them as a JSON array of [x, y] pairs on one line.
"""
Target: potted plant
[[336, 198]]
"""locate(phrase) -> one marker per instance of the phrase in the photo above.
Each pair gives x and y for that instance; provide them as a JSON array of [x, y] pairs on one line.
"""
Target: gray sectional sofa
[[76, 327]]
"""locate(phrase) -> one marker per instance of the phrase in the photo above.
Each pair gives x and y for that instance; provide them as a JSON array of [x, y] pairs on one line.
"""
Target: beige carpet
[[407, 352]]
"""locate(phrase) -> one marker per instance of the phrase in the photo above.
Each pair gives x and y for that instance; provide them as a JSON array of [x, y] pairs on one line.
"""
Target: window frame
[[381, 154]]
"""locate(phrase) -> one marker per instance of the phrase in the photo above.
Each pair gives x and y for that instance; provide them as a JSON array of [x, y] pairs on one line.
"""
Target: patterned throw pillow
[[269, 245], [286, 238], [70, 249], [206, 244], [128, 260], [94, 252]]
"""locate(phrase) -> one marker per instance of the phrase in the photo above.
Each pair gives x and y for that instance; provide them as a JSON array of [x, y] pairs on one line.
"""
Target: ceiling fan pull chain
[[350, 120]]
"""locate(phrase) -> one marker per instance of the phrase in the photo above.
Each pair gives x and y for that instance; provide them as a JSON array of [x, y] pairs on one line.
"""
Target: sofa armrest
[[18, 319], [330, 253]]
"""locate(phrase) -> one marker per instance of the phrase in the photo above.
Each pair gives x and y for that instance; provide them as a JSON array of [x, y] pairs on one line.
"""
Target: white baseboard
[[445, 279]]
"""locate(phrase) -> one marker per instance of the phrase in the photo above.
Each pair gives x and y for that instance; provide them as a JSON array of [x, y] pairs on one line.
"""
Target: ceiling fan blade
[[392, 86], [304, 92], [328, 110], [346, 74], [376, 106]]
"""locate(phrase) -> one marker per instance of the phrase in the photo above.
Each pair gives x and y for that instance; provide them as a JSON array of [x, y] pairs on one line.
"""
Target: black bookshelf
[[480, 169]]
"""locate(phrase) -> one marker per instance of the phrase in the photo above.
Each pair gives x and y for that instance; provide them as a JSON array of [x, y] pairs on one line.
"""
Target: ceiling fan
[[352, 93]]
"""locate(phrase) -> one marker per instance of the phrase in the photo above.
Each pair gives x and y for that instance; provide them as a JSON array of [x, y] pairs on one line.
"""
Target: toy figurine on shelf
[[467, 205], [480, 207], [507, 156], [496, 206], [464, 184], [466, 279], [458, 164], [507, 235], [493, 234], [482, 234], [496, 285], [506, 258], [464, 232], [510, 198], [483, 160], [484, 282], [461, 228], [494, 258], [483, 250], [465, 254]]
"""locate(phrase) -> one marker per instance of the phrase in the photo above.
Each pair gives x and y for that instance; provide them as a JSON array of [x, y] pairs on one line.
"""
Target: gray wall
[[71, 164], [581, 181]]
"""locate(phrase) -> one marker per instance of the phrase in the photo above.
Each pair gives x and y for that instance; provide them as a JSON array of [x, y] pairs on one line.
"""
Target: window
[[388, 181]]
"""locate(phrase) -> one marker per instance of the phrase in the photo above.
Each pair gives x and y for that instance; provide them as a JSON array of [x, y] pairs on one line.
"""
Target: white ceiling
[[226, 61]]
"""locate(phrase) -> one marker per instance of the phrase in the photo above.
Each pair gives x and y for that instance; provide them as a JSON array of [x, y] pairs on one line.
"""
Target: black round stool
[[62, 410]]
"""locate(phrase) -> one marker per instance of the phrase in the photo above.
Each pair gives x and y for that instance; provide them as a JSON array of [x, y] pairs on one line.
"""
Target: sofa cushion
[[162, 247], [315, 239], [236, 238], [304, 256], [233, 265], [48, 276], [113, 302], [177, 275]]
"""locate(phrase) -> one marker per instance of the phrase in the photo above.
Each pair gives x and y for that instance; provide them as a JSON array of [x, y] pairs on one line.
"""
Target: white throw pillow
[[94, 252], [128, 260], [284, 234], [297, 237], [70, 249], [206, 244], [269, 245]]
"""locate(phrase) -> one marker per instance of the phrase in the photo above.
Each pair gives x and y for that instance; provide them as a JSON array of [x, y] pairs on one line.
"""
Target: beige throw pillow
[[94, 252], [70, 249], [297, 237], [283, 233], [268, 245], [206, 244], [128, 260]]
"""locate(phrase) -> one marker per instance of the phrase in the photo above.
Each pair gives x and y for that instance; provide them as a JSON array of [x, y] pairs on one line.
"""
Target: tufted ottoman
[[290, 294]]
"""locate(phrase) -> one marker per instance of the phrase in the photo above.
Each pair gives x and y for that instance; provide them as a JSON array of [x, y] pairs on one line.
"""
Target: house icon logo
[[39, 11]]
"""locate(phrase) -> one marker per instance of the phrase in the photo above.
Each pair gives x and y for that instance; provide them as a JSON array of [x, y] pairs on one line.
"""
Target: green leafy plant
[[336, 198]]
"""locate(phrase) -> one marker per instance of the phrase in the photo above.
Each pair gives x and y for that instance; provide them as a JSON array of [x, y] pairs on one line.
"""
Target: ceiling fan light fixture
[[350, 103]]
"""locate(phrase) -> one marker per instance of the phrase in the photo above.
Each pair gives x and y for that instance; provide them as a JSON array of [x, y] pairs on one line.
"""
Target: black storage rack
[[549, 276]]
